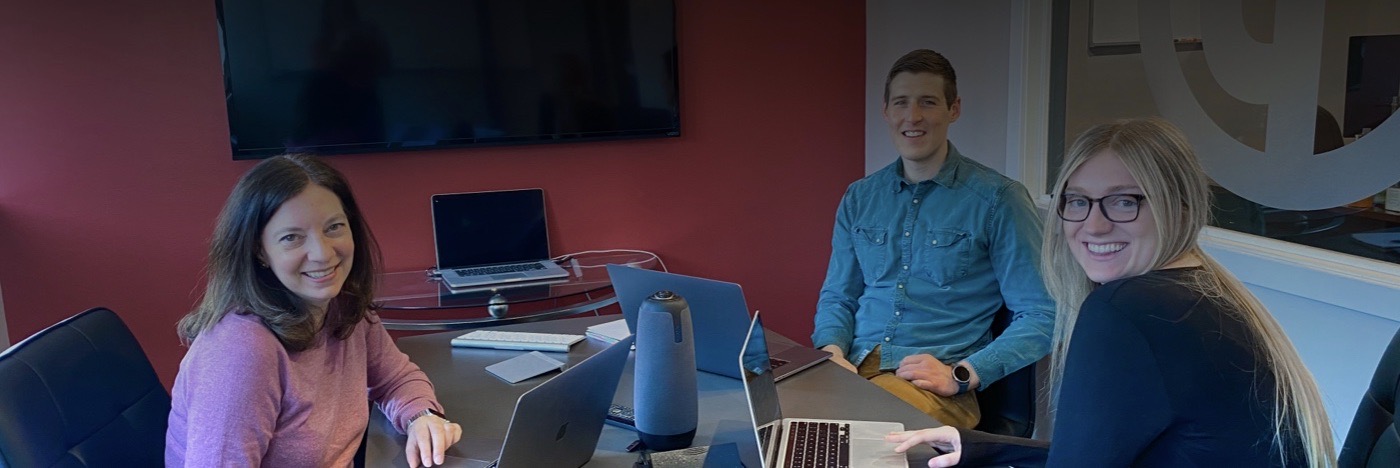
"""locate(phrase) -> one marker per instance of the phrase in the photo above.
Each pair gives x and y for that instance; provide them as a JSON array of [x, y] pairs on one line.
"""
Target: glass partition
[[1288, 104]]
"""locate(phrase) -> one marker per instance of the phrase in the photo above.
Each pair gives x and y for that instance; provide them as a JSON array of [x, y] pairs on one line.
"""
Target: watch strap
[[425, 413]]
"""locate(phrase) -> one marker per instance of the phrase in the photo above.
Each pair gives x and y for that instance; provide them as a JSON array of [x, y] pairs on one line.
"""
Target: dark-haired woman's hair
[[238, 283]]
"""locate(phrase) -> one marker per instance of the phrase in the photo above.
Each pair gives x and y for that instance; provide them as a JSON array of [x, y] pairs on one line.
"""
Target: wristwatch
[[963, 376], [425, 413]]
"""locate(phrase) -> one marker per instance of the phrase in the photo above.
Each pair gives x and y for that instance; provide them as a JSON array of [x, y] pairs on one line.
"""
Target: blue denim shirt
[[923, 268]]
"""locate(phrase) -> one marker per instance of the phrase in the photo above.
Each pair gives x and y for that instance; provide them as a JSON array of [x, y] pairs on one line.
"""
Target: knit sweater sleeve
[[396, 384]]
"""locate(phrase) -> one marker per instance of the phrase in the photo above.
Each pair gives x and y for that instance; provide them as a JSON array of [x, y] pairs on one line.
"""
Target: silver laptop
[[800, 443], [558, 423], [718, 315], [486, 238]]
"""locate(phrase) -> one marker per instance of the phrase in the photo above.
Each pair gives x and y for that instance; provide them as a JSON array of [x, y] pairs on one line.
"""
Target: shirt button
[[887, 338], [906, 233], [916, 200], [900, 286], [935, 241], [896, 313], [906, 267]]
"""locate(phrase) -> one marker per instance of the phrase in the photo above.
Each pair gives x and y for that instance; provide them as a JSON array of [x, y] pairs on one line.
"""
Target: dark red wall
[[114, 161]]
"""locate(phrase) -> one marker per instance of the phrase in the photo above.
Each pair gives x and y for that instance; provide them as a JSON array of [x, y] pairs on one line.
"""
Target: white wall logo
[[1282, 75]]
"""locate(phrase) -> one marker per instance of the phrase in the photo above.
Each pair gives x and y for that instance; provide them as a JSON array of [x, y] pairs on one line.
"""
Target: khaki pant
[[958, 410]]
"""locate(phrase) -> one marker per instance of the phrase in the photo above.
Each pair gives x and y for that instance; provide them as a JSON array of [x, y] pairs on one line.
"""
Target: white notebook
[[610, 332]]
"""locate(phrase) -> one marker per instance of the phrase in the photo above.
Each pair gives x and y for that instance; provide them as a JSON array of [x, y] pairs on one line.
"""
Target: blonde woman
[[1161, 358]]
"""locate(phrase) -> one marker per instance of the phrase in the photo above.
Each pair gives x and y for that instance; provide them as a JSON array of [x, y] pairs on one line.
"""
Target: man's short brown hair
[[926, 61]]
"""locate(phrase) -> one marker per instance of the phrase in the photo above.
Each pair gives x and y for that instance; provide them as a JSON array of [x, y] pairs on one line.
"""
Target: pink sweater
[[241, 399]]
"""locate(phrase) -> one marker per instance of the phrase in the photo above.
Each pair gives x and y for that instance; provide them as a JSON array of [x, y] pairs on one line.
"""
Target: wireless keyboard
[[525, 341]]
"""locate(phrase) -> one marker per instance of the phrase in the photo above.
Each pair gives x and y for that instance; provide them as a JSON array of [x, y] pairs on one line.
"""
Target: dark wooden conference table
[[483, 404]]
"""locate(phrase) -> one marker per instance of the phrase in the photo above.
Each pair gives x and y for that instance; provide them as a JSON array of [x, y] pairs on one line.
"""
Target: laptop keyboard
[[818, 444], [498, 269]]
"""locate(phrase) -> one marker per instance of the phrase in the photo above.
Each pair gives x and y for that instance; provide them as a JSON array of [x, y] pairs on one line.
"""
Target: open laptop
[[492, 237], [800, 443], [558, 423], [718, 315]]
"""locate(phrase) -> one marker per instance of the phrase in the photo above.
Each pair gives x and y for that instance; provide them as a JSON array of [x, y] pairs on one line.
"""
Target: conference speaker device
[[664, 391]]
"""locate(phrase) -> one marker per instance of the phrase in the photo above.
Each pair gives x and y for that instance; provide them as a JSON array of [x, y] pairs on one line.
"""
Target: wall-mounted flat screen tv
[[349, 76]]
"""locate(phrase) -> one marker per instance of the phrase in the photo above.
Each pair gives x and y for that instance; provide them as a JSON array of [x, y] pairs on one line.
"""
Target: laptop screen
[[758, 380], [485, 228]]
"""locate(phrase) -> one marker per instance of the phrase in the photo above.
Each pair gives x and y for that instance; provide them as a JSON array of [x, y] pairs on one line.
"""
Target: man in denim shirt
[[924, 254]]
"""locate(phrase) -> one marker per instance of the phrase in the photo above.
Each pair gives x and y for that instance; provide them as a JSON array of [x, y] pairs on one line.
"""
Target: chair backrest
[[81, 393], [1373, 440], [1008, 405]]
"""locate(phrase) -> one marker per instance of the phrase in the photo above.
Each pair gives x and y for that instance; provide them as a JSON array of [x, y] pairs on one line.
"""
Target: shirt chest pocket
[[944, 256], [871, 251]]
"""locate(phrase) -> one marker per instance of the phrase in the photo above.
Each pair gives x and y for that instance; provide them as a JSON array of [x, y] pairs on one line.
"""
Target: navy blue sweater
[[1156, 375]]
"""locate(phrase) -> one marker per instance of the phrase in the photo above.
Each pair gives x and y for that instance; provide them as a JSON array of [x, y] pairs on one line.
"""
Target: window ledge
[[1361, 284], [1344, 265]]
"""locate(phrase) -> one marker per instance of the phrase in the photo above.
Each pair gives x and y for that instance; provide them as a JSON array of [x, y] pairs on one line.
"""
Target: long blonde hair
[[1160, 159]]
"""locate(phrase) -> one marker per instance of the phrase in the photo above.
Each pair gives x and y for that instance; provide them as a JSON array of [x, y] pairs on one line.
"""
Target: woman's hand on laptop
[[945, 440], [429, 436], [838, 356]]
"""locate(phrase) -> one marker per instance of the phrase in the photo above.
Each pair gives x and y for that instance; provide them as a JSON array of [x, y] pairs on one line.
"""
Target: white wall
[[976, 39], [1340, 311]]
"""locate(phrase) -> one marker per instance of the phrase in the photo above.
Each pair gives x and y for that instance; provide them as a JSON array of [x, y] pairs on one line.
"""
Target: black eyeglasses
[[1118, 208]]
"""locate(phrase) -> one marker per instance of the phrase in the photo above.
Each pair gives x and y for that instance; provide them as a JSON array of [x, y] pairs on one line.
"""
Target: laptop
[[801, 443], [558, 423], [719, 318], [486, 238]]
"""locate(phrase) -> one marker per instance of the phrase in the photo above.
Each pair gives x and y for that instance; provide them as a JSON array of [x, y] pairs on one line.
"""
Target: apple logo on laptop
[[562, 429]]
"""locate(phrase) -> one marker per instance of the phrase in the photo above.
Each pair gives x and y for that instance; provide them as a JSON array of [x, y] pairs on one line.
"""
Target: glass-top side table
[[416, 300]]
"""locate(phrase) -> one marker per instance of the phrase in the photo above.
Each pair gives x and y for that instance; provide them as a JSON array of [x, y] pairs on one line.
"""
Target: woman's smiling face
[[1109, 250], [307, 243]]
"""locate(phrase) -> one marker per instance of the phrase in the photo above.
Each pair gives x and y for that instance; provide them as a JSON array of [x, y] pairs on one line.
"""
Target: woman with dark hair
[[1161, 356], [285, 346]]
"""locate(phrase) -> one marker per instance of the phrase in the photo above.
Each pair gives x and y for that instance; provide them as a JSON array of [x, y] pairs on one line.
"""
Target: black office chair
[[1008, 405], [81, 393], [1374, 438]]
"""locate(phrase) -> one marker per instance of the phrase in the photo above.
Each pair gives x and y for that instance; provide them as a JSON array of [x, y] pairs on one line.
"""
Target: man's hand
[[839, 357], [928, 373], [428, 439]]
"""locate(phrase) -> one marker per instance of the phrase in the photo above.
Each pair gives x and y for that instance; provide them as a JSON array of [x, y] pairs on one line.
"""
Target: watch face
[[961, 374]]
